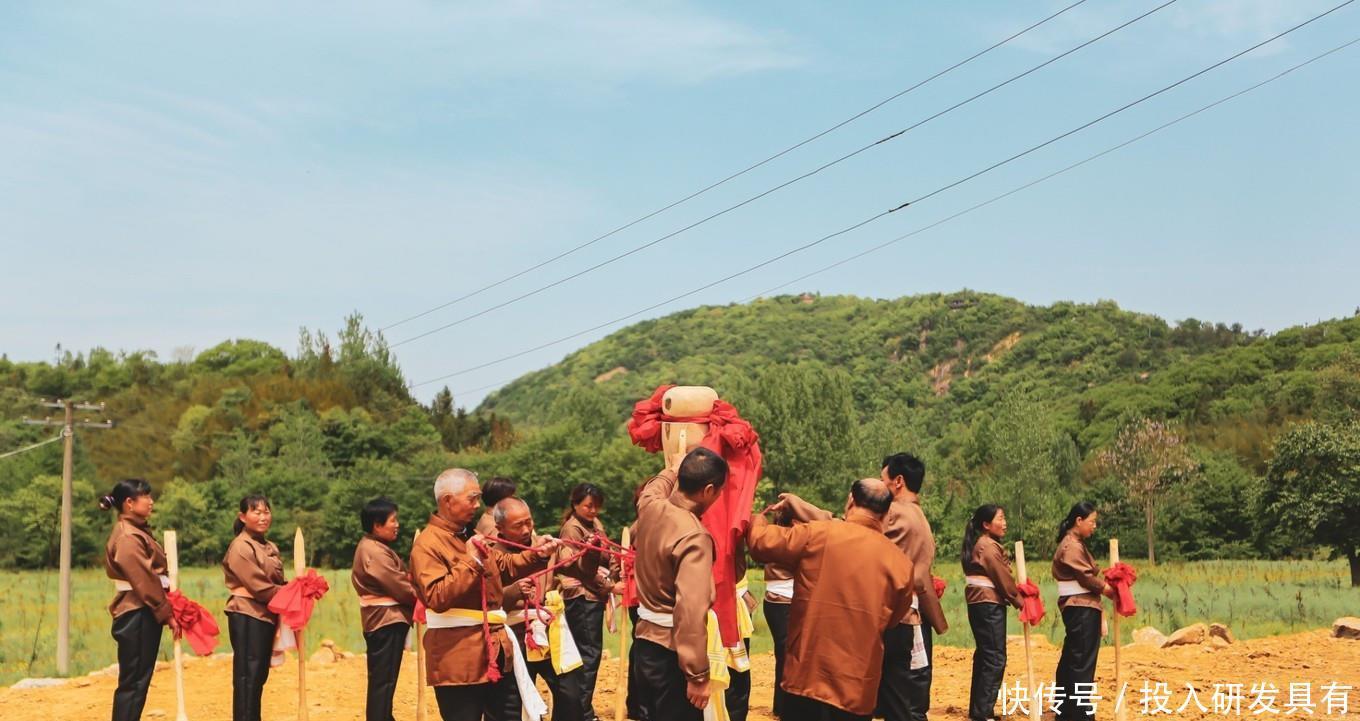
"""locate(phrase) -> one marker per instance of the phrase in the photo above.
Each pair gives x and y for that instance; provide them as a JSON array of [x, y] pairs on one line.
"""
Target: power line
[[878, 215], [26, 449], [785, 184], [735, 175]]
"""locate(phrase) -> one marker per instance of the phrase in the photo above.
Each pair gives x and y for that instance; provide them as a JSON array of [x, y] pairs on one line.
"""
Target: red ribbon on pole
[[1121, 576], [295, 601], [940, 585], [727, 519], [1031, 604], [419, 614], [195, 623]]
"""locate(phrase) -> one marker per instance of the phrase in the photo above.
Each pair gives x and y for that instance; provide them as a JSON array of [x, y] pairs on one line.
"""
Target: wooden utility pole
[[68, 432]]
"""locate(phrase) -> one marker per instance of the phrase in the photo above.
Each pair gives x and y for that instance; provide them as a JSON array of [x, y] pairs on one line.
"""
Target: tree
[[1313, 487], [1021, 444], [1146, 457]]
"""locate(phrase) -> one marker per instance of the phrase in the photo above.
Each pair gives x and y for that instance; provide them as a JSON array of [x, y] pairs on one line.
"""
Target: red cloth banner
[[1031, 604], [294, 602], [1121, 576], [727, 519], [940, 585], [419, 614], [195, 623]]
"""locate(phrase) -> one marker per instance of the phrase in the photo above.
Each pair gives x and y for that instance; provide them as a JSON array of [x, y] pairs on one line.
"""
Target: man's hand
[[174, 626], [697, 693], [617, 588], [750, 601], [526, 587], [548, 547]]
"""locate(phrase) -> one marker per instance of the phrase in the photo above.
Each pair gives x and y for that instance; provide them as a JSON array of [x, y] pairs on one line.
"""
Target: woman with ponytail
[[1079, 589], [254, 573], [988, 588], [136, 564], [585, 587]]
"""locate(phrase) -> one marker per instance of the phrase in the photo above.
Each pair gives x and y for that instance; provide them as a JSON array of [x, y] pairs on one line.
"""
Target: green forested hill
[[1007, 403]]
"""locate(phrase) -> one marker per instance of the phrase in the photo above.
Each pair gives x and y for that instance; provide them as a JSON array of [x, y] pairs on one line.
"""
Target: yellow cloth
[[737, 659], [719, 678], [562, 662]]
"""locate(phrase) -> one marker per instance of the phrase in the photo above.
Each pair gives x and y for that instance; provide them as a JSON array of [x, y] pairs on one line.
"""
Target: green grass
[[1255, 598]]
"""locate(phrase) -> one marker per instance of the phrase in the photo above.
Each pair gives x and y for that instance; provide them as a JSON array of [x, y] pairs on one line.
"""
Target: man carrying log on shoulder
[[850, 584], [474, 664], [674, 571]]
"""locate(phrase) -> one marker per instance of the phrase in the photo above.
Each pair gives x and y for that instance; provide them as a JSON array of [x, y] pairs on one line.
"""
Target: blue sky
[[196, 172]]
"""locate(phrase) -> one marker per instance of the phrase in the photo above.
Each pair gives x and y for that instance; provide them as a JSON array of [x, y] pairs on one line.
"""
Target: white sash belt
[[979, 582], [664, 620], [1071, 588], [514, 618], [533, 705], [919, 658], [122, 586], [782, 589]]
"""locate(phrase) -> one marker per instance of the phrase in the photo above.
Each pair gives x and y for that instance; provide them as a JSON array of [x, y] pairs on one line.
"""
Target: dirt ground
[[336, 690]]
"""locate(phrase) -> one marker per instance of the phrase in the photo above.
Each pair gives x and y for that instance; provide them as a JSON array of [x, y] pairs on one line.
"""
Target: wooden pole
[[299, 568], [420, 662], [1034, 699], [1119, 712], [621, 680], [172, 562]]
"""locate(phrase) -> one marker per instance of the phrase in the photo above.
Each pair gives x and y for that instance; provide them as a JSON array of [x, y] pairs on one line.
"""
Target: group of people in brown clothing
[[851, 603]]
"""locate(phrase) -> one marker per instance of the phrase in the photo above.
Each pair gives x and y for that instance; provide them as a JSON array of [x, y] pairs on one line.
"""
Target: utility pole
[[68, 433]]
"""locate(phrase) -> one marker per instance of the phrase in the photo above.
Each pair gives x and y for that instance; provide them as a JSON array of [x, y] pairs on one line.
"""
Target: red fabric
[[419, 614], [1121, 576], [195, 623], [727, 519], [940, 585], [294, 602], [630, 595], [493, 669], [1031, 604]]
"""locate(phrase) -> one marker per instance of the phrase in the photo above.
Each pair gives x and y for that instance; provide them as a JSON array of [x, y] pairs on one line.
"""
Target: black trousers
[[1077, 664], [490, 701], [252, 643], [636, 691], [385, 647], [585, 618], [565, 688], [918, 681], [138, 634], [802, 708], [894, 692], [988, 621], [737, 696], [777, 618], [659, 670]]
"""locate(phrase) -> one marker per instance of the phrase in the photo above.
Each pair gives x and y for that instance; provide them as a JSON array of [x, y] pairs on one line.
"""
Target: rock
[[83, 682], [1149, 636], [328, 643], [220, 655], [1346, 627], [325, 655], [38, 683], [1218, 630], [156, 713], [1188, 636], [162, 665], [1218, 643]]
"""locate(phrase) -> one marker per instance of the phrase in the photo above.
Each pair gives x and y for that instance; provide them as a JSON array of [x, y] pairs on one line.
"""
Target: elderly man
[[909, 647], [472, 660], [674, 570], [850, 583], [515, 523]]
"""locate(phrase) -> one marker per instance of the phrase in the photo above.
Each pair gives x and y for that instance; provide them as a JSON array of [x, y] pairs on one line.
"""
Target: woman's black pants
[[585, 618], [1077, 665], [252, 643], [138, 634], [385, 646], [988, 621]]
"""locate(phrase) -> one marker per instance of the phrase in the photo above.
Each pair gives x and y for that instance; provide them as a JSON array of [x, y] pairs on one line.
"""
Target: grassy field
[[1255, 598]]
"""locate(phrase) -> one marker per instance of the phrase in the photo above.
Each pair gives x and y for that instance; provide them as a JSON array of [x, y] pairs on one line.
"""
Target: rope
[[26, 449]]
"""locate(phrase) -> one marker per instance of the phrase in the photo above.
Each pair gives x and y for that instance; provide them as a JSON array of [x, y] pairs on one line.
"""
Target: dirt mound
[[336, 690]]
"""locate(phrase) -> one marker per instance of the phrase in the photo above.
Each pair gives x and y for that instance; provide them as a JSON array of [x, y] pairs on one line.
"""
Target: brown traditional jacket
[[906, 526], [253, 566], [580, 578], [133, 555], [448, 574], [850, 585], [674, 569], [379, 571], [801, 512], [989, 559], [1073, 562]]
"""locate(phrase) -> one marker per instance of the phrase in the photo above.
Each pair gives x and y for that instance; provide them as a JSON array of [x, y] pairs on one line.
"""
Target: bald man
[[850, 583], [449, 576]]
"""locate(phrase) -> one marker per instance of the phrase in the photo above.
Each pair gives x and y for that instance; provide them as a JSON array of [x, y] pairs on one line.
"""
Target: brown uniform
[[252, 565], [849, 586], [448, 576], [800, 511], [990, 559], [580, 578], [674, 568], [1073, 562], [133, 555], [906, 526], [379, 571], [486, 525]]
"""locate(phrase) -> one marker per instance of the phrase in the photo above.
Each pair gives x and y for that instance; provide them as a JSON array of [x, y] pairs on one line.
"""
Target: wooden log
[[299, 568], [621, 680], [420, 662], [1023, 574], [172, 563], [685, 402], [1120, 713]]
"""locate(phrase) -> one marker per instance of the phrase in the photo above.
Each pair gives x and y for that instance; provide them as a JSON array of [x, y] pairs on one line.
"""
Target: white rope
[[25, 449]]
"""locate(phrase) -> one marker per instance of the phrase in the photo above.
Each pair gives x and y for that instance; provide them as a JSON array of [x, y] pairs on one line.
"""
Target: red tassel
[[1122, 576], [940, 585], [1031, 605]]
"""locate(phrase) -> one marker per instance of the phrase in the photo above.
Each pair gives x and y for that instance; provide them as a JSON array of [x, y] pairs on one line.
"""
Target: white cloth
[[123, 586], [978, 581], [532, 705], [919, 658], [1071, 588], [664, 620], [782, 589], [537, 627]]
